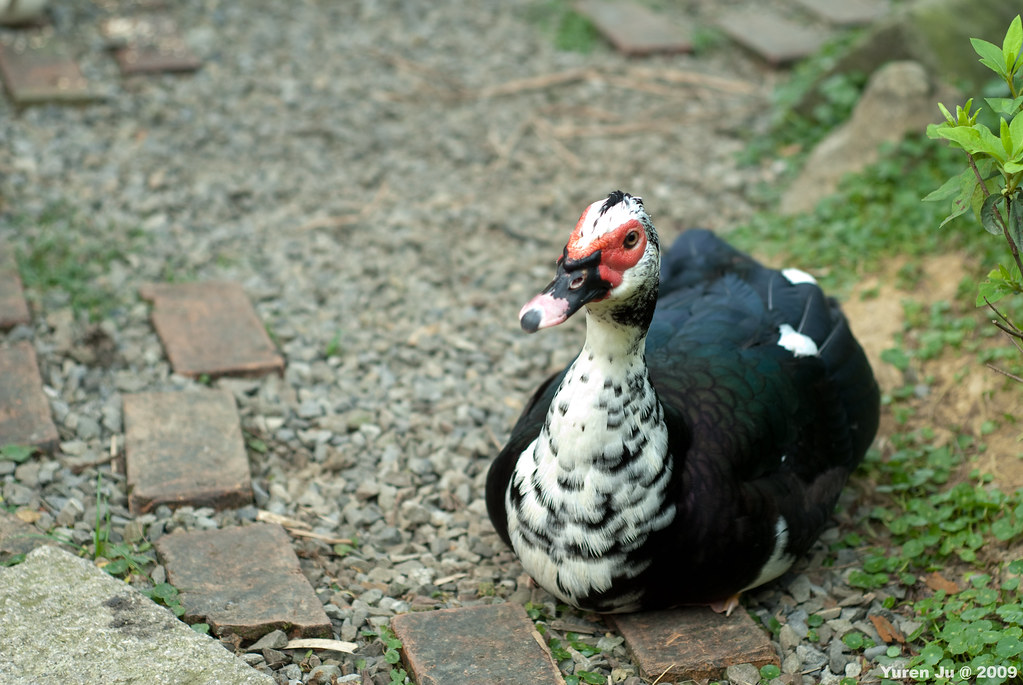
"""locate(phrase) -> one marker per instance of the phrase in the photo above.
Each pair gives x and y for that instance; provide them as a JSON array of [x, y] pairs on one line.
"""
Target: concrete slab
[[244, 580], [776, 39], [37, 69], [634, 29], [13, 308], [693, 643], [478, 645], [185, 448], [211, 329], [24, 410], [64, 621]]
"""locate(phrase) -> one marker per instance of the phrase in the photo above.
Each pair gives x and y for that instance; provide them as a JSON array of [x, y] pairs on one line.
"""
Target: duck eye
[[631, 239]]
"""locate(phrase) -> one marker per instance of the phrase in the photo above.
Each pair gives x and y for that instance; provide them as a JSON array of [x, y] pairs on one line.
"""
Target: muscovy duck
[[697, 445]]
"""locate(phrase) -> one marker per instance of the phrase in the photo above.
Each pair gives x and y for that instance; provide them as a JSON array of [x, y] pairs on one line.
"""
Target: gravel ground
[[389, 181]]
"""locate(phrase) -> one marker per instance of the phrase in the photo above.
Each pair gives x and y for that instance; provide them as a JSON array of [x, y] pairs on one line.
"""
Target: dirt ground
[[963, 395]]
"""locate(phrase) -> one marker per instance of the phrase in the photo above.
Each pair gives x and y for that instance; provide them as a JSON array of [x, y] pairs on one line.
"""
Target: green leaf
[[16, 453], [991, 56], [931, 654], [391, 656], [853, 640], [1004, 107], [1003, 529], [592, 678], [1012, 43], [768, 672], [989, 216], [201, 628], [913, 548]]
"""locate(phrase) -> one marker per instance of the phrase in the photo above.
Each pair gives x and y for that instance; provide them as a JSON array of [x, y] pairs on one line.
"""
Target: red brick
[[211, 329], [478, 645], [634, 29], [37, 69], [847, 12], [772, 36], [13, 308], [693, 643], [185, 448], [24, 410], [244, 580]]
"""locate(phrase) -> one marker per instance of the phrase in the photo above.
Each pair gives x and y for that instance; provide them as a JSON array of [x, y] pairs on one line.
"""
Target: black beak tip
[[530, 321]]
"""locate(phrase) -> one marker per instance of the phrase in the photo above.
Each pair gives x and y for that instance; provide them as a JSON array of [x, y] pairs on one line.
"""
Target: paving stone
[[634, 29], [37, 69], [211, 329], [62, 620], [13, 308], [693, 643], [147, 44], [477, 645], [772, 36], [24, 410], [244, 580], [847, 12], [185, 448]]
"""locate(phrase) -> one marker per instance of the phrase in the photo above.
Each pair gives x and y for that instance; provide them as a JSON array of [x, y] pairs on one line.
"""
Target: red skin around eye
[[615, 259]]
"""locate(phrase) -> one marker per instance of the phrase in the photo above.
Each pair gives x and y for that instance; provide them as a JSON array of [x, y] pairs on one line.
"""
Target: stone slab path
[[13, 308], [693, 643], [210, 329], [64, 621], [24, 410], [40, 70], [243, 581], [185, 448], [475, 646]]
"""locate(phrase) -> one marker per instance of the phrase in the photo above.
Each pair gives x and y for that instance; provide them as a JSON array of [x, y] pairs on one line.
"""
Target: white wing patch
[[798, 344], [779, 562], [797, 276]]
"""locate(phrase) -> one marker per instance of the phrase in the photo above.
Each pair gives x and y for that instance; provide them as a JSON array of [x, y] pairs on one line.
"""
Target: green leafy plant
[[392, 656], [17, 453], [990, 185]]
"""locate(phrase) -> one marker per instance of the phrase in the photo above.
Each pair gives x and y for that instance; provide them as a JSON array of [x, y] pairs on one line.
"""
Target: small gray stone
[[87, 428], [787, 639], [276, 639], [799, 588], [836, 656], [742, 674], [324, 674]]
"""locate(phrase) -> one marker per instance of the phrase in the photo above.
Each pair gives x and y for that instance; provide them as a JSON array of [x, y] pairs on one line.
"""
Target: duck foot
[[726, 606]]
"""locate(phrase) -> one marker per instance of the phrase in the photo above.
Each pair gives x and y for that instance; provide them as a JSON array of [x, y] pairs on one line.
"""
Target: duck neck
[[606, 412]]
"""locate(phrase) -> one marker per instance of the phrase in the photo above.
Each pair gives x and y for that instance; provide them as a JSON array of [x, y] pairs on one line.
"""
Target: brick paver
[[634, 29], [693, 643], [185, 448], [478, 645], [243, 581], [24, 410], [13, 308], [772, 36], [37, 69], [211, 329], [148, 43], [847, 12]]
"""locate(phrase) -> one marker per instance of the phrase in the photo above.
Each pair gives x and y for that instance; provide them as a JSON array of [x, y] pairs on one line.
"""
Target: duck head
[[610, 265]]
